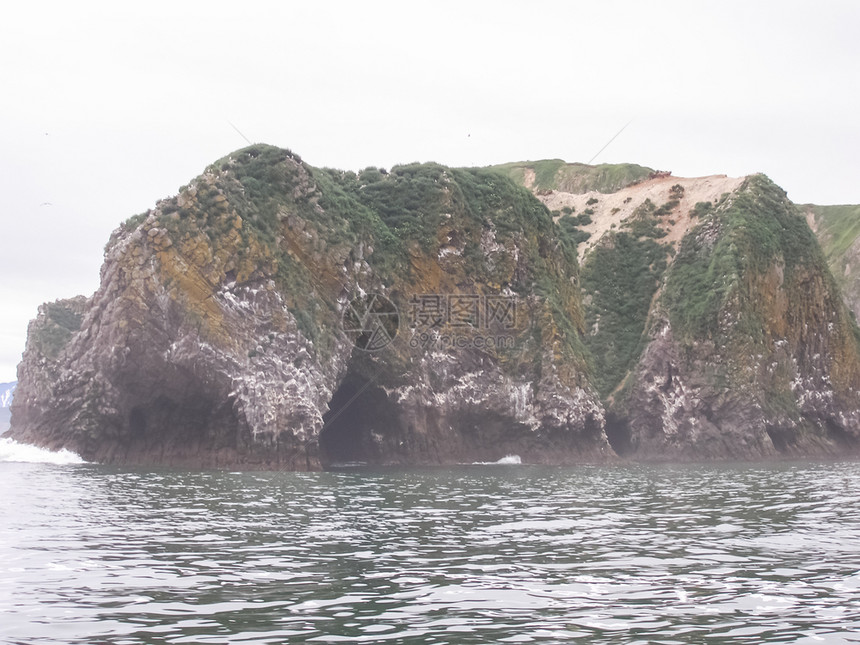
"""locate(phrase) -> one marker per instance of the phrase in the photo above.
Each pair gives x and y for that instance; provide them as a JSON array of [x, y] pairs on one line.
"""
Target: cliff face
[[274, 315], [751, 350], [233, 323], [715, 328], [838, 232]]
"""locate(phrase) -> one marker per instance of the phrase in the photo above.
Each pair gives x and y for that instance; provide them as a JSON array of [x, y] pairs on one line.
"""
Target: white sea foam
[[11, 450], [507, 460]]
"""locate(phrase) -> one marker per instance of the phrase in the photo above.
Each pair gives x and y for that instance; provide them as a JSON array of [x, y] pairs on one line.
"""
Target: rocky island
[[277, 315]]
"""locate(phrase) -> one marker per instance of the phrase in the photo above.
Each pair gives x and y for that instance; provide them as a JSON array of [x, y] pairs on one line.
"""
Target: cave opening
[[186, 428], [781, 438], [619, 435], [163, 416], [843, 439], [361, 426]]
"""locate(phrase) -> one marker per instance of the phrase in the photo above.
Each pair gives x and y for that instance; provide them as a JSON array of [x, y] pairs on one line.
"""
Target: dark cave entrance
[[188, 428], [163, 418], [843, 439], [619, 435], [783, 439], [361, 426]]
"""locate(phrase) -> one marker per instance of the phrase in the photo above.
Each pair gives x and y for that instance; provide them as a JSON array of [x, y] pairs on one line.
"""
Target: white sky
[[107, 107]]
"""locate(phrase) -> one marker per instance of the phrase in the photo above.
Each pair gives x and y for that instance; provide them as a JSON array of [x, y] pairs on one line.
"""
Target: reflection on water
[[479, 554]]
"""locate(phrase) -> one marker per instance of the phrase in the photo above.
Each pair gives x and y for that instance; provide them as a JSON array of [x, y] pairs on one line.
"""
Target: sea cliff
[[276, 315], [227, 330]]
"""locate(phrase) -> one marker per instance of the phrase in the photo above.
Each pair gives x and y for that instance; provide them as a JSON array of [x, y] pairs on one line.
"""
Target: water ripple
[[512, 554]]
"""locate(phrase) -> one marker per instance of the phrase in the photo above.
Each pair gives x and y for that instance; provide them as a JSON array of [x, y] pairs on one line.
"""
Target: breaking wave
[[508, 460], [11, 450]]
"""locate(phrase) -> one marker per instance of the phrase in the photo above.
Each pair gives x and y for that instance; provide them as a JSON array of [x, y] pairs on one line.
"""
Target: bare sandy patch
[[529, 178], [611, 211]]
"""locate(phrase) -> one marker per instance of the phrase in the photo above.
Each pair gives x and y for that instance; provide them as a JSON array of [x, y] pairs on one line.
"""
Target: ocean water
[[505, 553]]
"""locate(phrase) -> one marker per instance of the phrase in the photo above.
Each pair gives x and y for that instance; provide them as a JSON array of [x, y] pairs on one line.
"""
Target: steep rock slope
[[751, 350], [838, 231], [225, 328], [715, 327]]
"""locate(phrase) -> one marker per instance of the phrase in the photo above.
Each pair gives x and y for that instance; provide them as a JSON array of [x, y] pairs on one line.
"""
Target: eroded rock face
[[716, 328], [679, 407], [231, 327], [153, 378], [215, 338], [757, 359]]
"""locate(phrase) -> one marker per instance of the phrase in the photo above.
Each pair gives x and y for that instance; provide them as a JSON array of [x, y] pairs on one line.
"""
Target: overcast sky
[[107, 107]]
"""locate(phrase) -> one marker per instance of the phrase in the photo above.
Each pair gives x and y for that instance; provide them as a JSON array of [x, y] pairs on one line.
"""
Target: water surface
[[481, 554]]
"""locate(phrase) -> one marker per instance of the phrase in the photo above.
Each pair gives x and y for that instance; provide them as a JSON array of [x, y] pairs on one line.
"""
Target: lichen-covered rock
[[750, 352], [274, 315], [715, 327], [216, 337]]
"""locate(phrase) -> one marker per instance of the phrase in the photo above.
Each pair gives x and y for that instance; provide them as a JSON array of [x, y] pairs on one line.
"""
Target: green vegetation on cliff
[[426, 228], [261, 212], [838, 227], [52, 331], [411, 203], [838, 232], [743, 277], [434, 209], [228, 298], [620, 277], [555, 174], [745, 235]]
